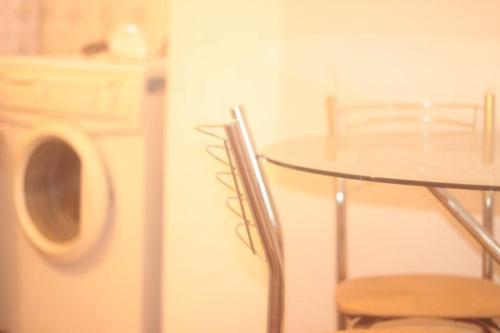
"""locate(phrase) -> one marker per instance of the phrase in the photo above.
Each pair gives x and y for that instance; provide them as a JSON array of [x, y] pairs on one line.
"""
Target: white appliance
[[82, 201]]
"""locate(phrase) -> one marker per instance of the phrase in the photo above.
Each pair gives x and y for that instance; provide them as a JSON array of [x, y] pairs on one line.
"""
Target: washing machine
[[81, 151]]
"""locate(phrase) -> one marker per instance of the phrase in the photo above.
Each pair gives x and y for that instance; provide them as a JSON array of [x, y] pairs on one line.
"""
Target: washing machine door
[[61, 191]]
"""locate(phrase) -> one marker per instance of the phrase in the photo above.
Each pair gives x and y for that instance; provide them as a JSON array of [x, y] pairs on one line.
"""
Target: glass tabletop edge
[[420, 183]]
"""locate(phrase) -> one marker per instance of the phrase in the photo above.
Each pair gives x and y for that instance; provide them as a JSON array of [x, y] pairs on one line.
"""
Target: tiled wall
[[19, 26], [70, 24]]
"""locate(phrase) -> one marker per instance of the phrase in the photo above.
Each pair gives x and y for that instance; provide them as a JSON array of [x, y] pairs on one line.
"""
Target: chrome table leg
[[468, 221]]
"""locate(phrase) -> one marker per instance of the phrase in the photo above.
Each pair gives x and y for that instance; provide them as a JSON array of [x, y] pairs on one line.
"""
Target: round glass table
[[446, 160], [437, 161]]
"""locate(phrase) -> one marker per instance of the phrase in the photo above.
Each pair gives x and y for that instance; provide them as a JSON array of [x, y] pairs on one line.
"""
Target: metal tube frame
[[468, 221], [264, 213], [488, 196], [340, 203], [488, 218], [340, 211]]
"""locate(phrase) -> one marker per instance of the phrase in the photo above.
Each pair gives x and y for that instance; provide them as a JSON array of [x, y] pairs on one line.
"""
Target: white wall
[[280, 59]]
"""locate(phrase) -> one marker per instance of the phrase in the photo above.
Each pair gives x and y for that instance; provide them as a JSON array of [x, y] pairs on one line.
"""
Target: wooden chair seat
[[423, 296]]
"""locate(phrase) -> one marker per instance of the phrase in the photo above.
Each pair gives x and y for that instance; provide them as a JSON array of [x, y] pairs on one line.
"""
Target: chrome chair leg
[[340, 203], [488, 217]]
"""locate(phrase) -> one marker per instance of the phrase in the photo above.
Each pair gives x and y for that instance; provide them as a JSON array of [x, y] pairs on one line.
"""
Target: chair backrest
[[249, 183], [423, 117]]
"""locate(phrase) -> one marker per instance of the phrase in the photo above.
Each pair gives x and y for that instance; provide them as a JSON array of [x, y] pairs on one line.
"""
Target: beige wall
[[280, 58], [222, 52], [19, 26], [70, 24]]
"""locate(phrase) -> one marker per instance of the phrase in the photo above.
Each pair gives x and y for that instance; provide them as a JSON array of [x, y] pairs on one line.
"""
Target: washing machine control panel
[[83, 88]]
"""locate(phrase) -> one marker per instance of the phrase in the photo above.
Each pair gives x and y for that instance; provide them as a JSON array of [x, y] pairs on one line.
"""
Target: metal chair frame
[[481, 233], [250, 187]]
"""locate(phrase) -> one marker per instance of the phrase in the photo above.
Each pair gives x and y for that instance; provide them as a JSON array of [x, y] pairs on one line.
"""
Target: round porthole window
[[52, 190], [61, 191]]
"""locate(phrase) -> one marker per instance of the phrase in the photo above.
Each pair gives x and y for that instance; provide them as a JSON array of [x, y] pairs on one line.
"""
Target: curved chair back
[[424, 117], [261, 205], [252, 192]]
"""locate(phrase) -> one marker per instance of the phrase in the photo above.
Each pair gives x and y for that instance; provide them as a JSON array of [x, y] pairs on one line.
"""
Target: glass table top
[[449, 160]]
